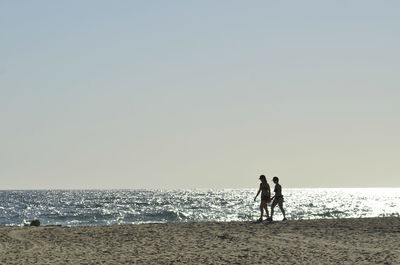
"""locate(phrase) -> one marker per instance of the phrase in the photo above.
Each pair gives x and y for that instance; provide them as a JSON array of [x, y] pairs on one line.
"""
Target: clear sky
[[199, 94]]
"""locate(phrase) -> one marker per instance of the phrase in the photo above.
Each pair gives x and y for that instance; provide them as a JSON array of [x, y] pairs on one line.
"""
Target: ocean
[[107, 207]]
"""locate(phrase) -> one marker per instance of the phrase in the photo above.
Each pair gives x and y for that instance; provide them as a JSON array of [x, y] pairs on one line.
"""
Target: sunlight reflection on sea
[[106, 207]]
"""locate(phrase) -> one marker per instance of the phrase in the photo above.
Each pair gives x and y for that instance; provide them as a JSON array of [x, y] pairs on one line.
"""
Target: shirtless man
[[265, 197], [278, 199]]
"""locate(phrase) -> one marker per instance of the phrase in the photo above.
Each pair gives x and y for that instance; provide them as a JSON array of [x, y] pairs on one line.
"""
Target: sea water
[[107, 207]]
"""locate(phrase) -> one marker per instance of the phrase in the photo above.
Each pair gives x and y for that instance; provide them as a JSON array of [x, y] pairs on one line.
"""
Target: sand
[[338, 241]]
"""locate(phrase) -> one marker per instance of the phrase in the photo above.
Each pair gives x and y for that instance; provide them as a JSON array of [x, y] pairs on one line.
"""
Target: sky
[[199, 94]]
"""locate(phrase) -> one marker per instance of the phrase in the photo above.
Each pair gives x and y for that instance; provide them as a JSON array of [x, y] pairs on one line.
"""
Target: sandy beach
[[334, 241]]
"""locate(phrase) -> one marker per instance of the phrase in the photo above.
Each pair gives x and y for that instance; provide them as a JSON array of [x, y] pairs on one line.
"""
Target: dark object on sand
[[35, 223]]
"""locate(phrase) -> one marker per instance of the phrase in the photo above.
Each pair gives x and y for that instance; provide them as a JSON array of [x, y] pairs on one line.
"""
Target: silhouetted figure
[[265, 196], [277, 199]]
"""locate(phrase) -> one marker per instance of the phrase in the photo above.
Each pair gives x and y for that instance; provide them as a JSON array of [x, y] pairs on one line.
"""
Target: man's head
[[275, 179], [262, 178]]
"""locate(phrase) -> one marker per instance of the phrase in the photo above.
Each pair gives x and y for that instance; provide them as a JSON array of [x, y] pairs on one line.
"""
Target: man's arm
[[257, 193]]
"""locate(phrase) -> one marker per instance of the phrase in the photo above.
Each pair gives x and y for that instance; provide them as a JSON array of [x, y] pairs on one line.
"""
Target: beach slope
[[334, 241]]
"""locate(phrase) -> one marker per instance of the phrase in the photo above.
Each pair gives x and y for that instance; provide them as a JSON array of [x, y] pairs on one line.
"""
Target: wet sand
[[336, 241]]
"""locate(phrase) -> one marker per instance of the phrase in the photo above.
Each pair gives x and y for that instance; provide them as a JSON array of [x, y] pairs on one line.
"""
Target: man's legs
[[272, 209], [283, 211], [265, 206], [261, 211]]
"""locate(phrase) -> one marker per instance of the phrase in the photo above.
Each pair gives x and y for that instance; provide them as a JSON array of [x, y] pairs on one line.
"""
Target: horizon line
[[172, 189]]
